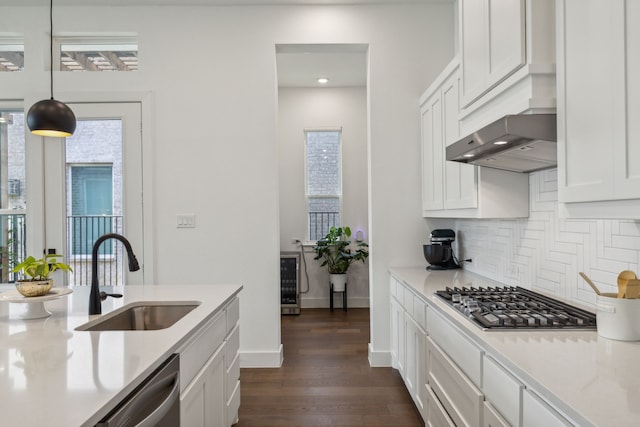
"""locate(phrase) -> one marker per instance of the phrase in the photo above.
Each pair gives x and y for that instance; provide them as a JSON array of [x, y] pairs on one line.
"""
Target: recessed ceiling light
[[501, 142], [323, 80], [467, 155]]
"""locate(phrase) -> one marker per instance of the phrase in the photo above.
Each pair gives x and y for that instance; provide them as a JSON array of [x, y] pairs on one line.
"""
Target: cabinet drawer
[[393, 287], [492, 418], [535, 413], [233, 345], [420, 312], [233, 404], [233, 314], [436, 414], [232, 376], [462, 351], [407, 300], [502, 390], [202, 345], [459, 396]]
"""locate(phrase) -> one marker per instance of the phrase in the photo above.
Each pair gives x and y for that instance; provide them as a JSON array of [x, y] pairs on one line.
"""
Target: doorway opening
[[339, 102]]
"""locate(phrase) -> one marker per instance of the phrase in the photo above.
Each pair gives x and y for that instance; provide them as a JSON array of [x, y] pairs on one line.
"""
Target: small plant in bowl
[[37, 272]]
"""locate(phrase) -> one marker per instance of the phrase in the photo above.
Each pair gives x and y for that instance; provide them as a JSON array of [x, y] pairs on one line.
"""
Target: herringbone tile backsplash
[[545, 252]]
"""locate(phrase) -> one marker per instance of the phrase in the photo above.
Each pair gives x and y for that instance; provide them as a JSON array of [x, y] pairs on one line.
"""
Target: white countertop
[[593, 380], [53, 375]]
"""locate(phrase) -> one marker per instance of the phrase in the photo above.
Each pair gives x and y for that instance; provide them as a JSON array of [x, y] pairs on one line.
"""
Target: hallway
[[325, 379]]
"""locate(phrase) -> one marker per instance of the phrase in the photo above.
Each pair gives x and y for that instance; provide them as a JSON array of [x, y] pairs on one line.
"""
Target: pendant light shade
[[50, 117]]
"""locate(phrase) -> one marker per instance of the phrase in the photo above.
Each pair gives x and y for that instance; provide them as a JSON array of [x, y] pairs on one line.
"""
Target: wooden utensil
[[633, 289], [623, 280], [593, 285]]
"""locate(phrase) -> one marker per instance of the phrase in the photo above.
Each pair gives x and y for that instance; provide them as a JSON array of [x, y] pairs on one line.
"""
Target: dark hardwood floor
[[325, 379]]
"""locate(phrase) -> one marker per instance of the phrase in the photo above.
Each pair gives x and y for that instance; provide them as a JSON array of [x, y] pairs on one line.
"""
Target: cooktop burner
[[516, 308]]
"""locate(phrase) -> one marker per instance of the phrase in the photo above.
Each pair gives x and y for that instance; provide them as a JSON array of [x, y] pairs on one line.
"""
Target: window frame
[[308, 196]]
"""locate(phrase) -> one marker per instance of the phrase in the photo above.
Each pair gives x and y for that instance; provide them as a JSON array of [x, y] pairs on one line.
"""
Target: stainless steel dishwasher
[[155, 403]]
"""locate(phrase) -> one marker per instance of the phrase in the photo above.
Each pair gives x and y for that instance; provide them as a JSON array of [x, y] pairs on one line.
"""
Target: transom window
[[323, 181], [11, 54], [104, 53]]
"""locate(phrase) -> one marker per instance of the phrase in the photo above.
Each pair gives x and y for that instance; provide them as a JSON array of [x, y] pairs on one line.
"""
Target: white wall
[[212, 76], [545, 252], [300, 108]]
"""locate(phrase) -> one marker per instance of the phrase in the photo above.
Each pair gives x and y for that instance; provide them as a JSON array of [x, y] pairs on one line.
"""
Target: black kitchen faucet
[[95, 297]]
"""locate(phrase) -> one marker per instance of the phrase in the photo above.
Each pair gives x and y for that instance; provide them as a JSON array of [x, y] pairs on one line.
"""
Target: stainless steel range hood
[[518, 143]]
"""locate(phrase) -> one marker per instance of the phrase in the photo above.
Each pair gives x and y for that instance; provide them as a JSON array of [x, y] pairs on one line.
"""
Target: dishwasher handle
[[144, 402], [162, 409]]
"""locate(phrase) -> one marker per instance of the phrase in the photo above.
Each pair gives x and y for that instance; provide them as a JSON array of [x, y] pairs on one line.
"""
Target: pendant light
[[50, 117]]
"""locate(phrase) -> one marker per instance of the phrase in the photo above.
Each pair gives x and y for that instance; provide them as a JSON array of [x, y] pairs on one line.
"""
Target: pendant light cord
[[51, 46]]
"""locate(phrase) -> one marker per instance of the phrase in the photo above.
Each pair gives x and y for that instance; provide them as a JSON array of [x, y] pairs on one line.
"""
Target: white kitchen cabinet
[[457, 190], [202, 404], [210, 372], [463, 401], [535, 413], [492, 35], [598, 74], [492, 418], [508, 59], [408, 341], [503, 390]]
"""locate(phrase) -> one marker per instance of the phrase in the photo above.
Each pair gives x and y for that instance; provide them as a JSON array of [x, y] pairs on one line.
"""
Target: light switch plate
[[186, 221]]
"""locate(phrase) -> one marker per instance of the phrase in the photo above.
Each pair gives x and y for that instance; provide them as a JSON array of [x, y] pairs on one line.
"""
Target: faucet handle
[[104, 295]]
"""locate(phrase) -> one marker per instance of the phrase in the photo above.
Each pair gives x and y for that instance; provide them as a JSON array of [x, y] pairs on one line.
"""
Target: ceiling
[[206, 2]]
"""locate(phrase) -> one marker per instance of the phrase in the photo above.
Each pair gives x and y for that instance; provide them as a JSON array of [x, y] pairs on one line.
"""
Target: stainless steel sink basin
[[141, 316]]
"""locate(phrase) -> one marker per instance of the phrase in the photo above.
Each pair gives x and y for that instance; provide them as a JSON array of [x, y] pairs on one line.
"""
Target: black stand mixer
[[439, 253]]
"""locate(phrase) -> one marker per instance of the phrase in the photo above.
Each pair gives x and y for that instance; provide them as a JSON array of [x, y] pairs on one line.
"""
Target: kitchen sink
[[141, 316]]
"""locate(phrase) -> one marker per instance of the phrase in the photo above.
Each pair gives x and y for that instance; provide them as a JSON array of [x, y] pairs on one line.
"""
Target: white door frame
[[52, 234]]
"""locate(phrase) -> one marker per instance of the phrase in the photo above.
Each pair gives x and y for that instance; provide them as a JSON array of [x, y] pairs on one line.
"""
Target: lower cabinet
[[210, 372], [203, 403], [451, 378]]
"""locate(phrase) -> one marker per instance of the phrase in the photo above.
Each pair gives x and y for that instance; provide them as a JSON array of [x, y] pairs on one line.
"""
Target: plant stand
[[344, 297]]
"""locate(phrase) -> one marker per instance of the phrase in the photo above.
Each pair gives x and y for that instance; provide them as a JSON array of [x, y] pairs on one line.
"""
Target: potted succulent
[[37, 272], [335, 252]]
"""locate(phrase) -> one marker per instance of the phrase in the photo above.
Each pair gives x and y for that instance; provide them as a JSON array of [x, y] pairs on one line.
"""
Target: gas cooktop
[[513, 307]]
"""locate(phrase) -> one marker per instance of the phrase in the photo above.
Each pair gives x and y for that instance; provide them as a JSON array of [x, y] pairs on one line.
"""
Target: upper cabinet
[[452, 189], [492, 33], [507, 50], [598, 48]]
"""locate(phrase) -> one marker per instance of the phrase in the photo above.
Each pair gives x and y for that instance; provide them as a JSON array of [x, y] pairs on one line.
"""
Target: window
[[11, 54], [12, 195], [105, 53], [323, 181], [91, 206]]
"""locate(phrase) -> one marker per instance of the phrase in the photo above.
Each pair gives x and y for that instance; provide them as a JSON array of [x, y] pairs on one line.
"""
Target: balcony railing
[[82, 232], [321, 222], [12, 243]]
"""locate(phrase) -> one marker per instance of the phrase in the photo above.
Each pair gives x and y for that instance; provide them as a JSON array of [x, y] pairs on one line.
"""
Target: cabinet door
[[473, 48], [397, 336], [460, 180], [590, 89], [491, 417], [202, 403], [432, 154], [628, 157], [537, 413], [505, 39], [493, 36]]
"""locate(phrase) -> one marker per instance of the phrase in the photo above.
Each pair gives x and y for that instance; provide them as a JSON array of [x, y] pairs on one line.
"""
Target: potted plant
[[335, 252], [38, 272]]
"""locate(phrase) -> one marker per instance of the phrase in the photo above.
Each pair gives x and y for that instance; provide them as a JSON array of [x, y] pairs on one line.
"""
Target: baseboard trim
[[379, 358], [261, 359]]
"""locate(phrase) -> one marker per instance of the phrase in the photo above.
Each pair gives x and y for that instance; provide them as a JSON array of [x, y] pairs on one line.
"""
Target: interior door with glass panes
[[101, 165]]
